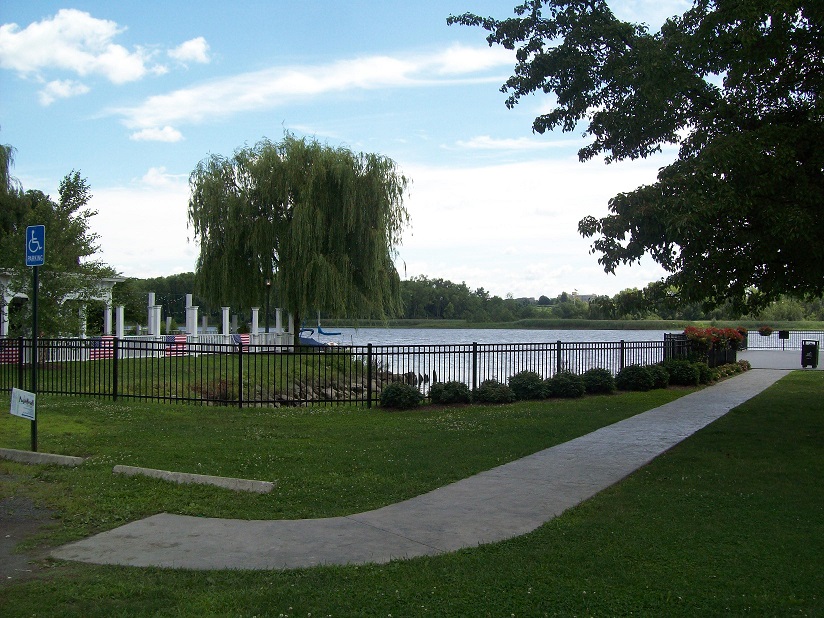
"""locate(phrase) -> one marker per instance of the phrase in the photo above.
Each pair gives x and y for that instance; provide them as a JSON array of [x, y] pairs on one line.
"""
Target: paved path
[[504, 502]]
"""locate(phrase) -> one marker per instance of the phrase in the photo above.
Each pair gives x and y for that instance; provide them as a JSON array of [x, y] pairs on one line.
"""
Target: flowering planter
[[718, 345], [722, 356]]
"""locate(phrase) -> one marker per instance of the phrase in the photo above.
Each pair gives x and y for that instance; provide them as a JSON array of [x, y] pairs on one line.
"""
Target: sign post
[[35, 257]]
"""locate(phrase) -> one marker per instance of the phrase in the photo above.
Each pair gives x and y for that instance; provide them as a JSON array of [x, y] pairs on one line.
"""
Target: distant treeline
[[440, 299]]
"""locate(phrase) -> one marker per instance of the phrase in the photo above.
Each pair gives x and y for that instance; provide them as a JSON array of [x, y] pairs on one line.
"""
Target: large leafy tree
[[736, 84], [322, 223], [71, 273]]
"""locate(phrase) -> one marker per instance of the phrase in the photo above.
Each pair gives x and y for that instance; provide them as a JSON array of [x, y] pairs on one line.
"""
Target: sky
[[134, 94]]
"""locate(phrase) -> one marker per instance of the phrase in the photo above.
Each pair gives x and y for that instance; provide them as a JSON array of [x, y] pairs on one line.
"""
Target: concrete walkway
[[504, 502]]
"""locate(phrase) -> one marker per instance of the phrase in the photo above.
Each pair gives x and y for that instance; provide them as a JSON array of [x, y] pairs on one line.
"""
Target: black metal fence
[[174, 369], [783, 339]]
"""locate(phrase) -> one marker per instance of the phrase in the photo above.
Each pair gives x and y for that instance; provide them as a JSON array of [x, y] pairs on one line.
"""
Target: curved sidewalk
[[498, 504]]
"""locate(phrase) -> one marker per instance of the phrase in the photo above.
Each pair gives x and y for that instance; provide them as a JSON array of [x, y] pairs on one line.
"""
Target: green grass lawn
[[729, 522]]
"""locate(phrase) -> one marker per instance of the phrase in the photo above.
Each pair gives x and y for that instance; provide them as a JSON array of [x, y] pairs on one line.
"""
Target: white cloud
[[194, 50], [485, 142], [158, 177], [61, 89], [269, 88], [651, 12], [513, 228], [74, 41], [164, 134], [460, 59], [143, 229]]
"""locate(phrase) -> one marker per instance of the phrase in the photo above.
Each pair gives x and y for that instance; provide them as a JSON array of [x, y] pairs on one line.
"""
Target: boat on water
[[307, 336]]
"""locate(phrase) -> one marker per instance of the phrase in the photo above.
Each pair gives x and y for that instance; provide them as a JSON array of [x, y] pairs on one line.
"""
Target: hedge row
[[528, 385]]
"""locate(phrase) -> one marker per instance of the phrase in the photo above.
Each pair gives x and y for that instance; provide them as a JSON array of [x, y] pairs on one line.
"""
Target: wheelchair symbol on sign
[[34, 244]]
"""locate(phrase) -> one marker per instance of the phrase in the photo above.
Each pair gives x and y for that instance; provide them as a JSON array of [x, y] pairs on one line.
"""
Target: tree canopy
[[321, 223], [71, 273], [738, 216]]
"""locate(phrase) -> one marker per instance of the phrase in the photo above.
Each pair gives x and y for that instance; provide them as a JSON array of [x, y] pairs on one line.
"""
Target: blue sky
[[134, 94]]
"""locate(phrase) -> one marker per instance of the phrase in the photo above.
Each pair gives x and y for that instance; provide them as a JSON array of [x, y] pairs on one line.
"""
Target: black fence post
[[474, 365], [368, 375], [621, 360], [20, 358], [115, 372], [240, 375], [558, 358]]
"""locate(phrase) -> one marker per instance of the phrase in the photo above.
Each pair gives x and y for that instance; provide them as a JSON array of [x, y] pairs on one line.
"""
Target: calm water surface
[[457, 336]]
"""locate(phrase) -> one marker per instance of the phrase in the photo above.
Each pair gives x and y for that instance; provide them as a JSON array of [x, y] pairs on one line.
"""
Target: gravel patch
[[19, 519]]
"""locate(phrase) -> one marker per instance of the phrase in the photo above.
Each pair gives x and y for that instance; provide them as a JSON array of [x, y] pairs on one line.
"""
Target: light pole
[[268, 289]]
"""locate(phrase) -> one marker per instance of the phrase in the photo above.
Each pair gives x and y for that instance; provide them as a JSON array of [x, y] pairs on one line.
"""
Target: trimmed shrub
[[634, 378], [598, 380], [450, 392], [400, 396], [492, 391], [527, 385], [705, 374], [682, 372], [731, 369], [566, 384], [660, 376]]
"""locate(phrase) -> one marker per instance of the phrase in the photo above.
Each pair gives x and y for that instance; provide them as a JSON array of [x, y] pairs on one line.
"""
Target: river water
[[448, 353], [460, 336]]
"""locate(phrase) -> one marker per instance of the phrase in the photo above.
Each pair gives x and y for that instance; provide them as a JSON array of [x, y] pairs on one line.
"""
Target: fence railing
[[783, 339], [233, 371]]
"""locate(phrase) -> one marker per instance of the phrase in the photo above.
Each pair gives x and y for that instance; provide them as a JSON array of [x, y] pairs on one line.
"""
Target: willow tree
[[322, 223]]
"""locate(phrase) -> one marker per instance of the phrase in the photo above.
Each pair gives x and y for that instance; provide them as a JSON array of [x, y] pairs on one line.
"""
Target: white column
[[155, 328], [107, 320], [81, 314], [204, 327], [151, 319], [255, 311], [191, 327], [191, 320], [4, 319], [118, 321], [224, 320], [278, 321]]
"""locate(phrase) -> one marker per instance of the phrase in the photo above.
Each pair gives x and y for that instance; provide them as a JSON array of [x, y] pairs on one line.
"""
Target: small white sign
[[23, 403]]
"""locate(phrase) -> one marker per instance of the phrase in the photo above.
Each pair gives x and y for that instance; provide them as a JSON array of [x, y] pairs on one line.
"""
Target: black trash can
[[809, 353]]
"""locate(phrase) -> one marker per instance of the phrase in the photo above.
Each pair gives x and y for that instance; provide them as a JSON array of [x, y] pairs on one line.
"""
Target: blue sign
[[35, 245]]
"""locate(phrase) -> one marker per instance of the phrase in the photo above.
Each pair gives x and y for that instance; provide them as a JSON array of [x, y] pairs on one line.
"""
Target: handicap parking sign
[[35, 245]]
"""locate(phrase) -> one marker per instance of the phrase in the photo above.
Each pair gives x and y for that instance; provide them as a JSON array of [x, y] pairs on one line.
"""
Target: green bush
[[682, 372], [566, 384], [450, 392], [731, 369], [660, 376], [492, 391], [705, 373], [400, 396], [598, 380], [528, 385], [634, 378]]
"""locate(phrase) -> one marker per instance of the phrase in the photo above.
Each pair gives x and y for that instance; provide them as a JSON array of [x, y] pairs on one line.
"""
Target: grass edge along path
[[326, 461], [728, 522]]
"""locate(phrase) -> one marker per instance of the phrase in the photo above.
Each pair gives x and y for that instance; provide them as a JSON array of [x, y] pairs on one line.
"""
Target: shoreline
[[560, 324]]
